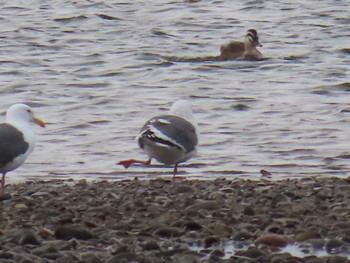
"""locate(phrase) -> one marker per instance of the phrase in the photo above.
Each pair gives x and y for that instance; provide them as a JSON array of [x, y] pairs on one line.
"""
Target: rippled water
[[97, 70]]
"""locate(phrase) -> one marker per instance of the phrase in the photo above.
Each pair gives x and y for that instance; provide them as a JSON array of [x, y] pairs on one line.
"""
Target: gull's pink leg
[[175, 172], [3, 183], [127, 163]]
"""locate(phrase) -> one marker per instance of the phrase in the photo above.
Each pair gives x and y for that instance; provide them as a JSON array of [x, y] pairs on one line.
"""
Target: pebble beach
[[185, 221]]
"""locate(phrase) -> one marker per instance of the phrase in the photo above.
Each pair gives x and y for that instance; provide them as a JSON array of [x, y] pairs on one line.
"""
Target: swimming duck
[[242, 50]]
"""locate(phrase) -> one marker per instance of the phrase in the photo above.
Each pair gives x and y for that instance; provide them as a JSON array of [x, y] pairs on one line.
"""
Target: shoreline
[[158, 220]]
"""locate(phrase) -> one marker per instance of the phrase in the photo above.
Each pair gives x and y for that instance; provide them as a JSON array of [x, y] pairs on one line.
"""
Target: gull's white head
[[22, 113], [183, 109]]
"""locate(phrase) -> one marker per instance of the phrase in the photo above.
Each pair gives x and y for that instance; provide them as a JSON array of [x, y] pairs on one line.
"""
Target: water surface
[[97, 70]]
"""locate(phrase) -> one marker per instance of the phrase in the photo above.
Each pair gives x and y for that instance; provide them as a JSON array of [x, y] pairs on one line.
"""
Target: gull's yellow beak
[[39, 122]]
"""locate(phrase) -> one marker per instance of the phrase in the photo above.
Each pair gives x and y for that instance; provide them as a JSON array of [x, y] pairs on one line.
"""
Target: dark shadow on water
[[295, 57], [174, 59], [203, 59], [191, 59], [330, 90]]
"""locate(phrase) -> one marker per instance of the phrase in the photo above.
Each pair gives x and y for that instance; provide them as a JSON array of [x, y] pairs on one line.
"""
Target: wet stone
[[274, 229], [249, 211], [180, 189], [307, 235], [65, 219], [280, 258], [251, 252], [205, 205], [185, 258], [50, 256], [241, 236], [314, 259], [21, 207], [211, 241], [335, 259], [192, 226], [124, 258], [151, 245], [26, 237], [336, 246], [44, 250], [168, 232], [45, 233], [5, 255], [272, 240], [317, 243], [69, 232], [5, 196], [217, 253], [90, 258], [172, 252]]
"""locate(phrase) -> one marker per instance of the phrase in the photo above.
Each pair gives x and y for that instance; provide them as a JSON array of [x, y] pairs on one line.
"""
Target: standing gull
[[17, 138], [170, 139]]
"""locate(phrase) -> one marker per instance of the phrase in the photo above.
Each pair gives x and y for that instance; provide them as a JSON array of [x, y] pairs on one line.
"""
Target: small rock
[[65, 219], [172, 252], [241, 236], [151, 245], [68, 232], [251, 252], [168, 232], [60, 245], [5, 196], [21, 206], [185, 258], [40, 194], [217, 196], [249, 211], [90, 257], [120, 249], [313, 259], [304, 236], [317, 243], [182, 188], [124, 258], [265, 173], [281, 258], [335, 259], [26, 237], [217, 253], [82, 182], [272, 240], [74, 243], [192, 226], [335, 246], [205, 205], [5, 255], [51, 256], [227, 190], [45, 233], [274, 229], [25, 260], [44, 250], [210, 241]]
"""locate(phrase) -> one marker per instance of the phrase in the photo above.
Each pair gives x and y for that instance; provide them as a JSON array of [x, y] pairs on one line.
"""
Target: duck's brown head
[[252, 37]]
